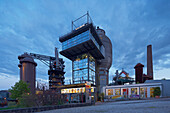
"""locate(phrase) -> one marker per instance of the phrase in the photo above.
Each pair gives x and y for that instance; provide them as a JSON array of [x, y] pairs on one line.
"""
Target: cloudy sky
[[35, 27]]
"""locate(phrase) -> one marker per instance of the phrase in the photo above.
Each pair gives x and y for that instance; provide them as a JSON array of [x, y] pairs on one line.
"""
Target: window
[[133, 91], [80, 68], [110, 91], [117, 91], [101, 72], [85, 36], [76, 40]]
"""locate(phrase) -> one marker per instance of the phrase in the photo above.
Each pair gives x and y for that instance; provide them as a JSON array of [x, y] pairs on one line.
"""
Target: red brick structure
[[139, 76], [139, 73]]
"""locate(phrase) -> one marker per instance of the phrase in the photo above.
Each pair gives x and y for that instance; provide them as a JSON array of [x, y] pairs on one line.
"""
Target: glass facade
[[91, 68], [82, 71], [85, 36]]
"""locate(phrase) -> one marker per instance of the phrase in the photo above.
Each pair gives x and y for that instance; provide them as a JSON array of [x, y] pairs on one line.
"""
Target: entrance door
[[125, 93]]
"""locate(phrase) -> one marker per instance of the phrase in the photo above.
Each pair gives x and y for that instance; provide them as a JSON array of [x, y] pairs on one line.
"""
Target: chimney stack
[[149, 61]]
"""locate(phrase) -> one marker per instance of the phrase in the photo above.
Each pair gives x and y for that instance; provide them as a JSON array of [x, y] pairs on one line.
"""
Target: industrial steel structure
[[120, 80], [104, 65], [55, 72], [90, 51], [28, 70]]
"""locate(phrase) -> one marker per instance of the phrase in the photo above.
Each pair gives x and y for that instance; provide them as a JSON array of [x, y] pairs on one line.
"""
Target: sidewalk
[[134, 100]]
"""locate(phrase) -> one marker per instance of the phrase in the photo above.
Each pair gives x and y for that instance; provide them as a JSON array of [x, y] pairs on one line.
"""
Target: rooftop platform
[[80, 30], [84, 47]]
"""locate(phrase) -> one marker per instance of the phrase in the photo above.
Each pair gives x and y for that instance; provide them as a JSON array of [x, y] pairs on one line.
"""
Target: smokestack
[[57, 58], [149, 61]]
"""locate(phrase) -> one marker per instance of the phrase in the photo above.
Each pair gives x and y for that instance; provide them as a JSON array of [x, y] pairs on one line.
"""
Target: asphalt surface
[[135, 106]]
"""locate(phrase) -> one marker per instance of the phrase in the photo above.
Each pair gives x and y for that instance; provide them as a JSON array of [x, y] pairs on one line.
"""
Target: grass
[[11, 105], [100, 111], [152, 107]]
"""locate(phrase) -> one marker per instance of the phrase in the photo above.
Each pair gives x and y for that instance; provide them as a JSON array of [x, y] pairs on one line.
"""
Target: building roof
[[26, 58], [156, 81], [74, 86], [139, 65], [147, 76], [134, 85]]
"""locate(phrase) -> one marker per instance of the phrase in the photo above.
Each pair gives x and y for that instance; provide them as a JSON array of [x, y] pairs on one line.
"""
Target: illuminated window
[[80, 69], [117, 91], [134, 91], [110, 91]]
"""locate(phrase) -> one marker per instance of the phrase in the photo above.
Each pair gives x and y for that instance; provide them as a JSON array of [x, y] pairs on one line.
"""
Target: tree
[[163, 79], [19, 89]]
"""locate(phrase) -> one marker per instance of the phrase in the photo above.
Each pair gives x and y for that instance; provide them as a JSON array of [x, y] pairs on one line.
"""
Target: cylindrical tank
[[28, 70], [105, 63]]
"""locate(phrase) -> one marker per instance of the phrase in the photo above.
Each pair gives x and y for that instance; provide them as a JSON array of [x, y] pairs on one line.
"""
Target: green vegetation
[[157, 91], [163, 79], [21, 92], [27, 101], [152, 107], [11, 105], [8, 108], [101, 97], [19, 89]]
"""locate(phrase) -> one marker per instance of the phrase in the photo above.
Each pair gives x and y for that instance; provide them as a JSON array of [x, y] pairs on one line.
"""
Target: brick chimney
[[139, 73], [149, 61]]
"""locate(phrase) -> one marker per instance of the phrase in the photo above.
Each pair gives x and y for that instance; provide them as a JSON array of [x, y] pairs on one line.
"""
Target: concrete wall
[[43, 108], [165, 86]]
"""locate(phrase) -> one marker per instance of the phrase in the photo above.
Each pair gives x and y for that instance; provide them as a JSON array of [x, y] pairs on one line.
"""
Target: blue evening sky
[[35, 26]]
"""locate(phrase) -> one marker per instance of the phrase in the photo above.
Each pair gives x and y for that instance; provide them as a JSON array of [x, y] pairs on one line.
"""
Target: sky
[[34, 26]]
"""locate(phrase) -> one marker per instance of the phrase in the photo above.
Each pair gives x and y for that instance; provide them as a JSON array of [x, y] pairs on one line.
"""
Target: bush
[[27, 100], [101, 97], [157, 91], [11, 104]]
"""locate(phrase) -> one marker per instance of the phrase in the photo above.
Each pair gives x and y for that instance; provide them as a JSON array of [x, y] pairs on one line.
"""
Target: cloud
[[7, 80], [35, 26]]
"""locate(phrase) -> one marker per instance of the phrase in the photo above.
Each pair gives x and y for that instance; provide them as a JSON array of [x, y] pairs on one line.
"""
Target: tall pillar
[[149, 61]]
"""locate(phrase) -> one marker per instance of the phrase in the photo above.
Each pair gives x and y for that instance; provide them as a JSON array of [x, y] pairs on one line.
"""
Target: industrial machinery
[[104, 64], [56, 68], [28, 69], [120, 80]]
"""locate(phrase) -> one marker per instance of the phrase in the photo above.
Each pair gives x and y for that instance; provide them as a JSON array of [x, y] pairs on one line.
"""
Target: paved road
[[137, 106]]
